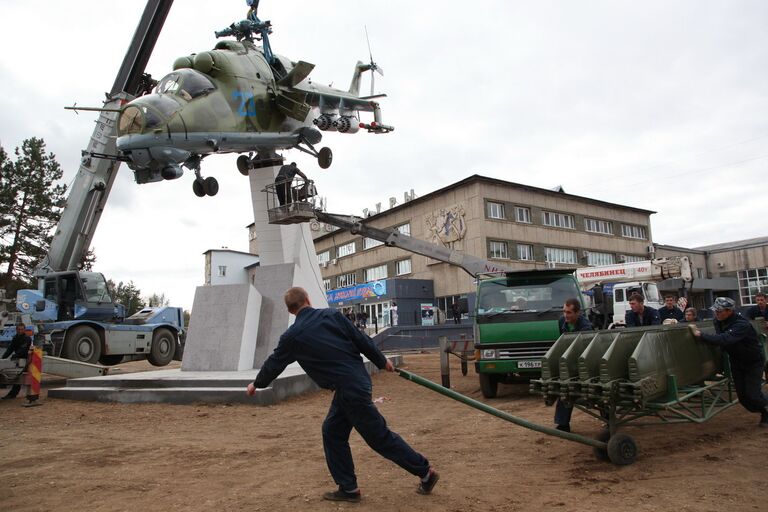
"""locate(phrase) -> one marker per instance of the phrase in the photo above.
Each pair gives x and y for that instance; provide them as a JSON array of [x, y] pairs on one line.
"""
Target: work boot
[[564, 428], [342, 495], [426, 486], [764, 418]]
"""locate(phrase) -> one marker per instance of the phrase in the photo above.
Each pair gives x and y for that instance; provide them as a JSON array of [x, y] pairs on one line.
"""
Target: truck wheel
[[83, 344], [163, 347], [488, 385], [111, 360], [622, 449]]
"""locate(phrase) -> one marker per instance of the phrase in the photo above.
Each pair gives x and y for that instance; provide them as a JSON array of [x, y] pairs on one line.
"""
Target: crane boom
[[393, 238], [93, 182]]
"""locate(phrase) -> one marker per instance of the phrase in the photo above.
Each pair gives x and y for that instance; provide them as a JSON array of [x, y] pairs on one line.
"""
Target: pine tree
[[30, 206], [128, 295]]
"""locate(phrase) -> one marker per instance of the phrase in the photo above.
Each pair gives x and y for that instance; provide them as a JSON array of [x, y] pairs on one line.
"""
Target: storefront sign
[[361, 291]]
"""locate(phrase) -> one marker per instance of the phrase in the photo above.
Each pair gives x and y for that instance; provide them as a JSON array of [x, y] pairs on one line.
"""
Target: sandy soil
[[78, 456]]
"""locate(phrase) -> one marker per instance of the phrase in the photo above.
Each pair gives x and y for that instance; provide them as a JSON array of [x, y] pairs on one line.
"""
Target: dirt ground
[[80, 456]]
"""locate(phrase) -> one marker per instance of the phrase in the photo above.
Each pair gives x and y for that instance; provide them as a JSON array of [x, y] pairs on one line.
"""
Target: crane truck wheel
[[163, 347], [83, 344], [489, 386]]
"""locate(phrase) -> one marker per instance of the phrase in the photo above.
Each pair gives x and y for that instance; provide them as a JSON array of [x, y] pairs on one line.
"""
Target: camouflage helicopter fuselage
[[229, 100]]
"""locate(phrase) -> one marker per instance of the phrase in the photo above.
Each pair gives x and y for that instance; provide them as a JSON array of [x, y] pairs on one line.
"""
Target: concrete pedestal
[[236, 327]]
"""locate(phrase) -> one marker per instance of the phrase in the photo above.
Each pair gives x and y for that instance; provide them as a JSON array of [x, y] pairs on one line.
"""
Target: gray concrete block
[[223, 328]]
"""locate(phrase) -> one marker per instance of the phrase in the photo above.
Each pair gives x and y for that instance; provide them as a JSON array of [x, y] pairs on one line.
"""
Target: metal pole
[[445, 367], [500, 414]]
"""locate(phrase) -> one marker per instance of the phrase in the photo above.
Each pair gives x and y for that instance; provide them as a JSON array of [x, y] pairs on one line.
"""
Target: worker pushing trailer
[[624, 377]]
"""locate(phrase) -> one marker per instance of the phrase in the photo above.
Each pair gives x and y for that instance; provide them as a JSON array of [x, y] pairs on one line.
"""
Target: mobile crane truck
[[71, 311]]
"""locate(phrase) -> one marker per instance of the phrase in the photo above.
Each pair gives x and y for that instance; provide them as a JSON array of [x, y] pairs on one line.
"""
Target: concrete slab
[[186, 387]]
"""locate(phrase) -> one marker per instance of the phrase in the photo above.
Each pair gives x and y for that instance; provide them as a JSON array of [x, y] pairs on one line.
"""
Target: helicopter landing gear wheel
[[211, 186], [325, 158], [197, 188], [244, 164]]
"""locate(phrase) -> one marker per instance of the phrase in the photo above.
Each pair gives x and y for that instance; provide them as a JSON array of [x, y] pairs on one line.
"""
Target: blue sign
[[361, 291]]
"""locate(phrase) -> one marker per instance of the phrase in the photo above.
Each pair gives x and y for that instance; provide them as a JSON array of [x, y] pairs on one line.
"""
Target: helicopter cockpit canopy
[[147, 113], [187, 83]]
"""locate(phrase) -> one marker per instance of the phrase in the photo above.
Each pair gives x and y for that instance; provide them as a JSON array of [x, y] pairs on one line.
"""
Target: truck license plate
[[529, 364]]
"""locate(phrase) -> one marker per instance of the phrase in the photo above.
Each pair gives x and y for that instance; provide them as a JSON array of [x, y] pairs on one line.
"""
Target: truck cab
[[516, 322], [70, 295]]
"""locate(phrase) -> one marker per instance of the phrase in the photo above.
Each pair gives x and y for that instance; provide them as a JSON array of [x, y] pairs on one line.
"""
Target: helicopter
[[238, 98]]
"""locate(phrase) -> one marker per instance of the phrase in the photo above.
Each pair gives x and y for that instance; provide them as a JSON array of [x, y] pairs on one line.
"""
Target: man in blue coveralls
[[328, 348]]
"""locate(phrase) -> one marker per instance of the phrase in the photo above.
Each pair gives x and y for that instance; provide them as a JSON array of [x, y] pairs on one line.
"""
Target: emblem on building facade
[[447, 226]]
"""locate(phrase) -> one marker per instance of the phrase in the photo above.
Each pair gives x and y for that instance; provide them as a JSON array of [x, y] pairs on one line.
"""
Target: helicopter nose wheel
[[205, 186], [244, 165], [325, 158]]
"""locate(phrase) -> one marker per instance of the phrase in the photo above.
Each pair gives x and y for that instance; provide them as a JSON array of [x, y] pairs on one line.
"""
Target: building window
[[324, 257], [404, 229], [222, 271], [494, 210], [403, 267], [638, 232], [557, 220], [603, 227], [556, 255], [633, 259], [751, 282], [346, 249], [345, 280], [700, 273], [370, 243], [327, 284], [525, 252], [445, 303], [498, 250], [600, 258], [376, 273], [523, 214]]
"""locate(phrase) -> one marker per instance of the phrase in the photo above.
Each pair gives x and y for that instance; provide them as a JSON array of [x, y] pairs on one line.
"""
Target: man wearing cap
[[640, 314], [736, 336]]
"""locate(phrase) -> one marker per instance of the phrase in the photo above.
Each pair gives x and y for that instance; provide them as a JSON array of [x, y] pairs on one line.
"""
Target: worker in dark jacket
[[571, 321], [18, 349], [759, 310], [736, 336], [328, 348], [670, 310], [640, 314]]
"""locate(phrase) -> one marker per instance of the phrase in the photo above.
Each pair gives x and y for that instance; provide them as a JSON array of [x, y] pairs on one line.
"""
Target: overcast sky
[[656, 104]]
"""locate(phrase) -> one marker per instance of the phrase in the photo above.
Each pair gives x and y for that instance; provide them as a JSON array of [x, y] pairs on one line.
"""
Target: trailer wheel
[[111, 360], [488, 385], [602, 453], [622, 449], [83, 344], [163, 347]]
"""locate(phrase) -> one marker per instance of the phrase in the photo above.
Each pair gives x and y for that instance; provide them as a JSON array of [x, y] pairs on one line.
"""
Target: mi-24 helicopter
[[238, 98]]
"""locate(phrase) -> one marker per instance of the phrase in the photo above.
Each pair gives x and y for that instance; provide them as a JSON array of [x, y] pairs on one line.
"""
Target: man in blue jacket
[[760, 309], [328, 348], [640, 314], [736, 336], [571, 321]]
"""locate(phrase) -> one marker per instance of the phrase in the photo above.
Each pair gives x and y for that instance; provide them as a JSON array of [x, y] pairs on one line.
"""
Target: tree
[[30, 206], [88, 261], [128, 295], [157, 301]]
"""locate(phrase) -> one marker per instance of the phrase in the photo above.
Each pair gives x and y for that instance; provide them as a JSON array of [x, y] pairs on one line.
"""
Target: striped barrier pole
[[34, 375]]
